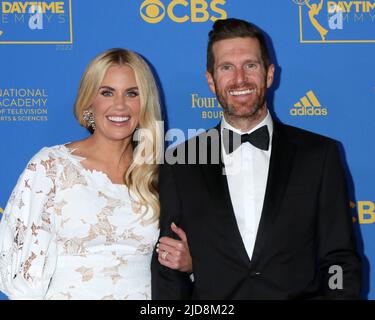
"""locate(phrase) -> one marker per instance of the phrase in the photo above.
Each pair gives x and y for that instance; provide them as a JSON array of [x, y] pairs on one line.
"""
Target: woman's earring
[[89, 118]]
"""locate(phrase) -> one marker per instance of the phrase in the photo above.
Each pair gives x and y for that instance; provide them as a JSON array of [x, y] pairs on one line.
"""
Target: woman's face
[[116, 106]]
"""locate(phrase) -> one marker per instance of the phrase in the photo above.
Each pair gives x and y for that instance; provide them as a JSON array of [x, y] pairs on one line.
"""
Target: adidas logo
[[308, 105]]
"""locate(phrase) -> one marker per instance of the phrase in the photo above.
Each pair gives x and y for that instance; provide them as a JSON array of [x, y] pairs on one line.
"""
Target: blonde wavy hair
[[141, 176]]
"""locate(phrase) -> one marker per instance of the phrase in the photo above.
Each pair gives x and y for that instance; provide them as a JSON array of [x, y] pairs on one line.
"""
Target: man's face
[[240, 80]]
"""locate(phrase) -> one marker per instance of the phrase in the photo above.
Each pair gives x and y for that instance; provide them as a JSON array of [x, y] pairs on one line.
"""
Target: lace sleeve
[[27, 237]]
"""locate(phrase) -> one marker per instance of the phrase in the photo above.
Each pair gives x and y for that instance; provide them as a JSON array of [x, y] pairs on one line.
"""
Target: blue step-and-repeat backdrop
[[324, 52]]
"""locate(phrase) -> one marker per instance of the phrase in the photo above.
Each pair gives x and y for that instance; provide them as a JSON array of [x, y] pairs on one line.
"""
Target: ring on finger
[[164, 255]]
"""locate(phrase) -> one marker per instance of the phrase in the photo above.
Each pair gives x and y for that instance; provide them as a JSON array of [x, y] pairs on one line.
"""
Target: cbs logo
[[180, 11]]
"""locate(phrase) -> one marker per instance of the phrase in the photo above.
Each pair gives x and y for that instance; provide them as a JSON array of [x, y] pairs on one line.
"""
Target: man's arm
[[168, 284], [337, 248]]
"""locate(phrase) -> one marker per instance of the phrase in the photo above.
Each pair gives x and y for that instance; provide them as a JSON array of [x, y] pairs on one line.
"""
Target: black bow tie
[[259, 138]]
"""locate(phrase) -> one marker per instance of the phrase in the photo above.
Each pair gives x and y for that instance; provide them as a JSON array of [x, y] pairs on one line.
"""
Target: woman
[[82, 220]]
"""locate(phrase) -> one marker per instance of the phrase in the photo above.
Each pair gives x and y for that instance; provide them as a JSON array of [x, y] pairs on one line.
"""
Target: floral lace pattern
[[70, 233]]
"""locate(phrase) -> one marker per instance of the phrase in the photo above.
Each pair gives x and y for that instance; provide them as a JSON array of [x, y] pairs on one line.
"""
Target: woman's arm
[[27, 247], [174, 253]]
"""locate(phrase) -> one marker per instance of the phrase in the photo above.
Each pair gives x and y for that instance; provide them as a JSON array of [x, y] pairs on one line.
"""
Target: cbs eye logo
[[180, 11], [152, 11]]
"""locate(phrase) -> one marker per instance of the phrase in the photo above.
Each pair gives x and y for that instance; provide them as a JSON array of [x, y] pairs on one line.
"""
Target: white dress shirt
[[247, 171]]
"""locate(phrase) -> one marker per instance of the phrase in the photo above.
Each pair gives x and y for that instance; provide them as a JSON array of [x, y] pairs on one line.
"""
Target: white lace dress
[[70, 233]]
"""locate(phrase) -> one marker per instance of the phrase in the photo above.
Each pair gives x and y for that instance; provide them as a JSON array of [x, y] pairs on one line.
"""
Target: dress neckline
[[92, 172]]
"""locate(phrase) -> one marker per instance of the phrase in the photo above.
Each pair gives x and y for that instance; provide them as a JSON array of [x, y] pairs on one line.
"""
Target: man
[[279, 227]]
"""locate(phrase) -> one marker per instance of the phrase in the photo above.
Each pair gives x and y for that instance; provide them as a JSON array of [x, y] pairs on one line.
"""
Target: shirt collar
[[266, 121]]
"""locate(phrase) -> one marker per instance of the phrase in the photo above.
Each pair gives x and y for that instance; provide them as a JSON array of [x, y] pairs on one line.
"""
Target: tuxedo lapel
[[281, 161], [222, 211]]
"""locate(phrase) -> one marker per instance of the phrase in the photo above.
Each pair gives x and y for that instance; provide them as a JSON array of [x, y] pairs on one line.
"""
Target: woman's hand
[[173, 253]]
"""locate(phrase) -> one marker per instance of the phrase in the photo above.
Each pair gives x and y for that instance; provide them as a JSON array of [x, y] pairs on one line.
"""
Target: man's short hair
[[235, 28]]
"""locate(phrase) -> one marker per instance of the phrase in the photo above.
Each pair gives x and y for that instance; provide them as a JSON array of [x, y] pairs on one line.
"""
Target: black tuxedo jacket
[[305, 229]]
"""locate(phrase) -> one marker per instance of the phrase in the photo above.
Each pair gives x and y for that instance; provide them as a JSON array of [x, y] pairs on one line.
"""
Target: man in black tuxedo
[[270, 219]]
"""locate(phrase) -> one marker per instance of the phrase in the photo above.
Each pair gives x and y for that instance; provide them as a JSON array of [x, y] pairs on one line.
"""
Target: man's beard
[[232, 110]]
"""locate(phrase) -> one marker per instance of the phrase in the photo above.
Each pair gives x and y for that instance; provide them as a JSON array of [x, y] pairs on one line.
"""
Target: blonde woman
[[82, 220]]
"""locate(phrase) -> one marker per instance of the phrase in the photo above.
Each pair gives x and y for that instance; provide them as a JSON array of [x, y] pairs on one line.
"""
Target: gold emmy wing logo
[[181, 11], [333, 19], [314, 10], [308, 105], [1, 210]]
